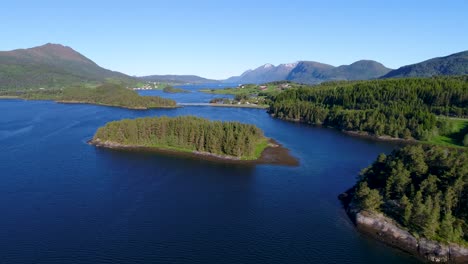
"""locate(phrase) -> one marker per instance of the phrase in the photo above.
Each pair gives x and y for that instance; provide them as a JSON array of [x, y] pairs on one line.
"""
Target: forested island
[[232, 141], [416, 199], [172, 89], [107, 94], [390, 108]]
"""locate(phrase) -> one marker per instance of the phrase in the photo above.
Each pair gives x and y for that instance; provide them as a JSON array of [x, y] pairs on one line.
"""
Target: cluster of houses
[[147, 86], [282, 86]]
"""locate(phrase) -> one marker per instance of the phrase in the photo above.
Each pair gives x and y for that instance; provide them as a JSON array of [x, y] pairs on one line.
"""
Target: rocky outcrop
[[388, 231]]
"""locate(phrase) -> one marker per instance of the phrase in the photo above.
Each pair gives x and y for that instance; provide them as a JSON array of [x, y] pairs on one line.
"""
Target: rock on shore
[[388, 231]]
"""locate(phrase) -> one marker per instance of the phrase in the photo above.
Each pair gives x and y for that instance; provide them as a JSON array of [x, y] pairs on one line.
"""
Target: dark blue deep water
[[63, 201]]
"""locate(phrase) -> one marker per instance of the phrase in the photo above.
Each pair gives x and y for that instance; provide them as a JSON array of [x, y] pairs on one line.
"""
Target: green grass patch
[[259, 148], [459, 128]]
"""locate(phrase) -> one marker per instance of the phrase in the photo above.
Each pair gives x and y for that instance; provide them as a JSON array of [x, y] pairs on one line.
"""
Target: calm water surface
[[63, 201]]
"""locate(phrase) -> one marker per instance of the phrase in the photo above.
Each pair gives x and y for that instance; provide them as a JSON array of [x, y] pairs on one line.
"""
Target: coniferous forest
[[425, 189], [399, 108], [187, 133]]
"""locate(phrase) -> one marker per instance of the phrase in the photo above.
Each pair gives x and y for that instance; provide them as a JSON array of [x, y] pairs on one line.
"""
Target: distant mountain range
[[177, 79], [56, 66], [312, 72], [51, 66], [264, 74]]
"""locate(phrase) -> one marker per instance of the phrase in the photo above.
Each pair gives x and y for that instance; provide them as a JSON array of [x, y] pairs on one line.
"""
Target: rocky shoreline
[[273, 154], [386, 230]]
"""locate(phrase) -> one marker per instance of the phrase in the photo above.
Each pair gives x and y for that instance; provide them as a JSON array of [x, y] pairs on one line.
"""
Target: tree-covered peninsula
[[228, 140], [106, 94], [424, 191], [397, 108]]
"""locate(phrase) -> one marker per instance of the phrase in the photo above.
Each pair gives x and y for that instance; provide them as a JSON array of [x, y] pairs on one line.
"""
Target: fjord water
[[64, 201]]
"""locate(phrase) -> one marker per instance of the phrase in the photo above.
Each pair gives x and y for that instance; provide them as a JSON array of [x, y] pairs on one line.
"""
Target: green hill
[[52, 66], [107, 94], [455, 64]]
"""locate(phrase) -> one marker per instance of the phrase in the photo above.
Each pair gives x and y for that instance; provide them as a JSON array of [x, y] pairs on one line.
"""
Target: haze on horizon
[[218, 40]]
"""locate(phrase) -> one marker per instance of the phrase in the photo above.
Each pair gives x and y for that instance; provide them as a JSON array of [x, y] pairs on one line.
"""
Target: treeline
[[106, 94], [424, 189], [187, 133], [400, 108]]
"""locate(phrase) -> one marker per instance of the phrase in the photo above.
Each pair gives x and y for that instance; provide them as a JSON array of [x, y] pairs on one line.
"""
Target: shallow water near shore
[[64, 201]]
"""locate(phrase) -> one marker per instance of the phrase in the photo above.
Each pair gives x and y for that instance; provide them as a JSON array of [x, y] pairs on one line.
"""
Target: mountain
[[311, 72], [51, 66], [177, 79], [455, 64], [359, 70], [264, 74]]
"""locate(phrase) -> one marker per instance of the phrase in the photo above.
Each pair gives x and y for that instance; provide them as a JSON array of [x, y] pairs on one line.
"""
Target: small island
[[172, 89], [415, 199], [195, 137], [106, 94]]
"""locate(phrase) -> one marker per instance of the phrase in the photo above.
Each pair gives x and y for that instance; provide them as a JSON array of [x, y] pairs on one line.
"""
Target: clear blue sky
[[217, 39]]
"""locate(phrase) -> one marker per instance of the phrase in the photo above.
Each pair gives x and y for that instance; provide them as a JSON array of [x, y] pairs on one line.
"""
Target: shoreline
[[274, 153], [386, 230], [100, 104], [355, 133], [241, 106], [225, 105]]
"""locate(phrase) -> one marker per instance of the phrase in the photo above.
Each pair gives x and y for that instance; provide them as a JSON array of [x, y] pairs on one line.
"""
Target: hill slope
[[177, 79], [309, 72], [263, 74], [51, 66], [454, 64]]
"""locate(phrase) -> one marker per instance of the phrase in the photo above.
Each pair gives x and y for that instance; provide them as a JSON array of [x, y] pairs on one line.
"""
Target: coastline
[[226, 105], [389, 232], [362, 134], [241, 106], [101, 104], [274, 153]]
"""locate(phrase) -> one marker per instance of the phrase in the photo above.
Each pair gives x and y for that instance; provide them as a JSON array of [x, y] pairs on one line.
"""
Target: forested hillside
[[423, 189], [52, 66], [399, 108], [454, 64], [106, 94], [186, 133]]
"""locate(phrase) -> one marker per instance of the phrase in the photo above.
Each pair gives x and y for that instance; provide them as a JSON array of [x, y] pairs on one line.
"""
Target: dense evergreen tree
[[187, 133], [424, 188], [401, 108]]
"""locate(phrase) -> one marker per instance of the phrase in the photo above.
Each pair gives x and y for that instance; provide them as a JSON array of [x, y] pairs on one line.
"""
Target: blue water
[[194, 96], [63, 201]]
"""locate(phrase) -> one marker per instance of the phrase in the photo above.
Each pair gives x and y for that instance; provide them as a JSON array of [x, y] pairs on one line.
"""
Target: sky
[[219, 39]]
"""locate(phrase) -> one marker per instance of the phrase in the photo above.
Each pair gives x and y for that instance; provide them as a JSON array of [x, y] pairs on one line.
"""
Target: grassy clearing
[[455, 137], [259, 148]]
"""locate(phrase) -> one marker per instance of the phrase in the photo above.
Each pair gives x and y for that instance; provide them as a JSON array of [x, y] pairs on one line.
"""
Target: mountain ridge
[[311, 72], [56, 66], [51, 66], [453, 64]]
